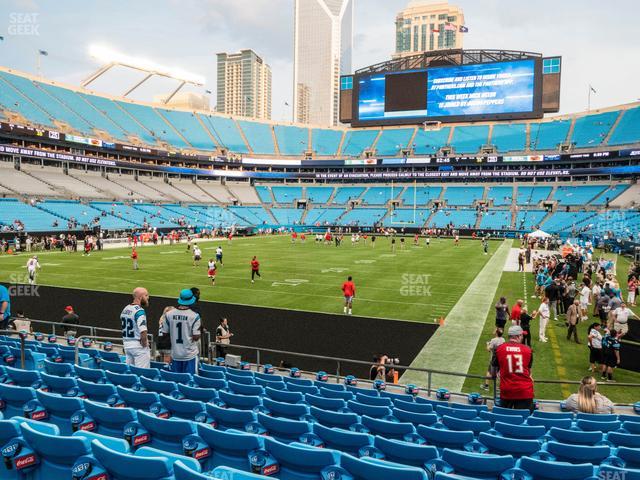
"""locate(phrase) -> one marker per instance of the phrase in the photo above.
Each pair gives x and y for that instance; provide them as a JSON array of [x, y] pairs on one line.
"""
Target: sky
[[599, 44]]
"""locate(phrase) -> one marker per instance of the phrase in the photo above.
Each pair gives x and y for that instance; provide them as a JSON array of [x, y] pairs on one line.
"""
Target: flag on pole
[[451, 27], [463, 29], [592, 89], [44, 53]]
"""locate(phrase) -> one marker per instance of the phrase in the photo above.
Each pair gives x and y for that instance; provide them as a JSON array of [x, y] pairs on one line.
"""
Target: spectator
[[134, 329], [502, 313], [5, 307], [516, 310], [183, 326], [71, 320], [632, 285], [573, 314], [492, 345], [514, 361], [621, 319], [588, 399], [552, 292], [525, 324], [595, 346], [223, 335], [544, 312], [379, 371]]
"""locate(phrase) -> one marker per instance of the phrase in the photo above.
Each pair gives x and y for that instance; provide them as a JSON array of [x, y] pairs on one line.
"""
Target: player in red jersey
[[255, 268], [416, 240], [303, 237], [294, 236], [514, 361], [134, 257], [349, 291], [212, 271]]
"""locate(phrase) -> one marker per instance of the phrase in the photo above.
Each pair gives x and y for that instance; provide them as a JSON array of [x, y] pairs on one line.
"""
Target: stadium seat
[[127, 380], [405, 453], [304, 389], [630, 456], [333, 404], [121, 466], [387, 429], [152, 373], [546, 470], [110, 421], [150, 452], [330, 393], [284, 396], [370, 410], [229, 448], [158, 386], [456, 413], [230, 418], [237, 375], [477, 465], [575, 436], [241, 402], [175, 377], [90, 375], [620, 439], [374, 400], [578, 453], [445, 438], [245, 389], [556, 415], [336, 387], [362, 391], [596, 417], [14, 398], [511, 411], [59, 369], [98, 392], [414, 407], [631, 427], [115, 367], [24, 378], [403, 397], [549, 422], [204, 382], [271, 384], [517, 447], [333, 419], [297, 462], [476, 426], [185, 473], [520, 431], [370, 469], [282, 429], [592, 426], [59, 385], [59, 410], [194, 393], [342, 440], [415, 418], [136, 399], [185, 409], [214, 375], [496, 417], [286, 410], [166, 433], [117, 444]]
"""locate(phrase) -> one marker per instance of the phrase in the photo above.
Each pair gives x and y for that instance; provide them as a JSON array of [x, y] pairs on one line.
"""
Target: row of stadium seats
[[41, 103]]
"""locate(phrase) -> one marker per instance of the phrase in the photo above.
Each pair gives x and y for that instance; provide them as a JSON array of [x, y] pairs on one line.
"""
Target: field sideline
[[418, 283]]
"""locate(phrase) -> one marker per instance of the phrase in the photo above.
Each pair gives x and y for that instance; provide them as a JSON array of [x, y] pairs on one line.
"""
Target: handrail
[[92, 329]]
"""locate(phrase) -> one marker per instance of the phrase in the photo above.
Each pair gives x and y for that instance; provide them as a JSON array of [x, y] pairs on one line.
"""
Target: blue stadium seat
[[185, 409], [15, 398], [243, 389], [543, 470], [240, 379], [405, 453], [463, 414], [297, 462], [520, 431], [517, 447], [230, 418], [445, 438], [476, 426], [591, 426], [575, 436], [194, 393], [496, 417], [184, 473], [175, 377], [415, 418], [116, 367], [166, 433], [282, 429], [110, 421], [342, 440], [578, 453], [556, 415], [304, 389], [136, 399], [241, 402], [271, 384], [121, 466], [158, 386], [630, 456], [229, 448], [414, 407], [620, 439], [286, 410], [284, 396], [549, 422], [511, 411], [338, 387], [330, 393], [370, 469], [60, 385], [152, 373], [334, 419], [213, 374], [90, 374], [117, 444], [236, 371], [59, 369], [204, 382], [56, 454], [98, 392], [150, 452], [23, 378], [630, 427], [477, 465], [127, 380], [392, 430], [403, 397], [59, 409], [374, 400], [370, 410], [333, 404]]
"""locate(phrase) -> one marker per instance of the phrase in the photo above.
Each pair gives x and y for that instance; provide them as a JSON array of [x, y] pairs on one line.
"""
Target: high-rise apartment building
[[425, 26], [323, 44], [244, 85]]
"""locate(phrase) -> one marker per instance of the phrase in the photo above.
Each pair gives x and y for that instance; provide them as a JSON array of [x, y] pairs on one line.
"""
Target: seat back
[[244, 389], [137, 400], [127, 380], [59, 409], [482, 465], [414, 407], [387, 429], [158, 386], [229, 448], [230, 417], [116, 367], [283, 429], [295, 462], [152, 373], [325, 403], [283, 396], [59, 369], [517, 447], [98, 392], [415, 418], [578, 453], [334, 419], [56, 384], [544, 470], [205, 382], [175, 377], [241, 402], [121, 466], [404, 452], [15, 398], [476, 426], [90, 374], [286, 410], [520, 431], [369, 410], [185, 409], [342, 440], [370, 469], [331, 393], [575, 436], [194, 393], [445, 438], [374, 400], [166, 433], [110, 421]]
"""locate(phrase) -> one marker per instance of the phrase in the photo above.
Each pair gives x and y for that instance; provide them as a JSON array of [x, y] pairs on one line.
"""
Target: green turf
[[301, 276], [568, 362]]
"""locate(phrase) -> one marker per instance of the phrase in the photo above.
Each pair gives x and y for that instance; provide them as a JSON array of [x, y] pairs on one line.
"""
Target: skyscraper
[[244, 85], [424, 26], [323, 43]]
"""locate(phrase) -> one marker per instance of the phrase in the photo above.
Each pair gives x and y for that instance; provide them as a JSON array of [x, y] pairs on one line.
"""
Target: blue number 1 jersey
[[134, 324]]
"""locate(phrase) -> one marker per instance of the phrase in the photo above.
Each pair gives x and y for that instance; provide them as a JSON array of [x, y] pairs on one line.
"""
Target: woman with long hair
[[588, 399]]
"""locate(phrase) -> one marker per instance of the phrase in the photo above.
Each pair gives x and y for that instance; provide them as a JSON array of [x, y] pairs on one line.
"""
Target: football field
[[417, 283]]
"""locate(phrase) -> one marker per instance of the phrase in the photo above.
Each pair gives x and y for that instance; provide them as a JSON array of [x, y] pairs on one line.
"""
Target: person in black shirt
[[525, 324], [71, 320]]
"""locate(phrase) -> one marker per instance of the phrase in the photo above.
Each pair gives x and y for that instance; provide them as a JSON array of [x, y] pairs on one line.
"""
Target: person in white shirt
[[595, 294], [197, 255], [585, 300], [183, 326], [543, 312], [134, 330], [32, 267], [621, 319]]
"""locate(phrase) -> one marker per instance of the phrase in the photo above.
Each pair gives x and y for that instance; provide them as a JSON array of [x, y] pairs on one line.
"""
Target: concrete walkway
[[453, 345]]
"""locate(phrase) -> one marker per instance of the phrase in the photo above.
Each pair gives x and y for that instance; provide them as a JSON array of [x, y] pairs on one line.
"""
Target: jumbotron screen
[[487, 91]]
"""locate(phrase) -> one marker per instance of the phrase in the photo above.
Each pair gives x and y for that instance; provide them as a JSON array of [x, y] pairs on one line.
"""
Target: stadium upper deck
[[38, 102]]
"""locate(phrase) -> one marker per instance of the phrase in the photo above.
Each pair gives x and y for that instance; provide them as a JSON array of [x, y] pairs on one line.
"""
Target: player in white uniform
[[212, 270], [134, 330], [197, 255], [32, 267], [183, 325]]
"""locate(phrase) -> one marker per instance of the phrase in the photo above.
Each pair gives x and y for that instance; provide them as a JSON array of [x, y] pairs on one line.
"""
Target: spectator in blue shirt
[[5, 307]]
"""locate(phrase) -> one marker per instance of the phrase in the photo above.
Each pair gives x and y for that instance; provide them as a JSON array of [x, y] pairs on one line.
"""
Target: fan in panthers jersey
[[183, 326], [134, 330]]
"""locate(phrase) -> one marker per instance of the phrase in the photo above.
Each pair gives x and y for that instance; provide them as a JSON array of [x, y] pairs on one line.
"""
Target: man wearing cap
[[70, 320], [514, 361], [183, 325], [134, 330]]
